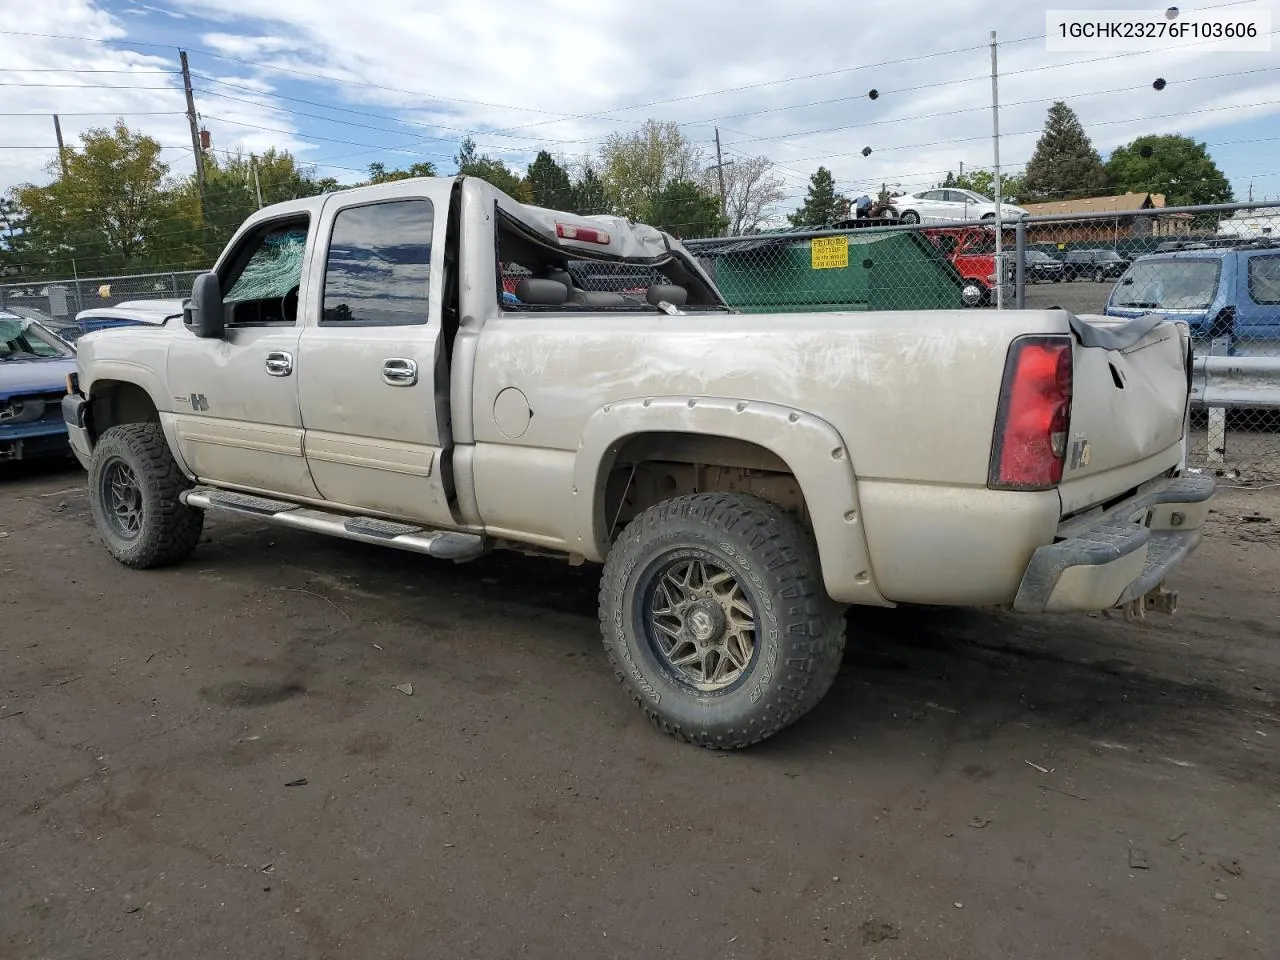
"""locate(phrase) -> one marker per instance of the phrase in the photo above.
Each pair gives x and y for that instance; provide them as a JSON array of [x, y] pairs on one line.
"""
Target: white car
[[950, 205]]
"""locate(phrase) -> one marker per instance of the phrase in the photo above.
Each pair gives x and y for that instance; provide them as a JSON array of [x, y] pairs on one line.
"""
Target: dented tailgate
[[1129, 406]]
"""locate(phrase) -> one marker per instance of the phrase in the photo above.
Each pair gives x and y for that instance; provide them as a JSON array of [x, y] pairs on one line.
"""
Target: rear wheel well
[[114, 402], [653, 467]]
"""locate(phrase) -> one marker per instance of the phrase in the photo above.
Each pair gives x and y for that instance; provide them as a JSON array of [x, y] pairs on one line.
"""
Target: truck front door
[[236, 419], [372, 381]]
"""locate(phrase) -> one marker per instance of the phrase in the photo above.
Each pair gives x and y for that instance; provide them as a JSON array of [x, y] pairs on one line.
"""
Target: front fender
[[125, 371], [813, 450]]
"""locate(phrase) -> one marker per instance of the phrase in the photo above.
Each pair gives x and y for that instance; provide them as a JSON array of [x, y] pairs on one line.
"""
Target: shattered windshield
[[274, 269], [1169, 285], [22, 339]]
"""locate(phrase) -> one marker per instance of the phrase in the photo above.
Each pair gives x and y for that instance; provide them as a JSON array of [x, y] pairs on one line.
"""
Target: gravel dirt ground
[[226, 759]]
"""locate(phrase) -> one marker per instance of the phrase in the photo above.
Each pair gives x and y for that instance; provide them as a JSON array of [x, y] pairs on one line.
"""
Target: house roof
[[1124, 203]]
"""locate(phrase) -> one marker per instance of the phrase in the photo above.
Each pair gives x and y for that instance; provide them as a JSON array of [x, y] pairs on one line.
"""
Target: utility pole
[[62, 151], [995, 140], [720, 165], [257, 187], [195, 131], [1250, 182]]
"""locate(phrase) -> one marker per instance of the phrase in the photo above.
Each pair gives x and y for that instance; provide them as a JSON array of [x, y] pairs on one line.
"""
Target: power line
[[1023, 133], [80, 86], [350, 123], [984, 107], [764, 83], [869, 66], [98, 113], [349, 143], [361, 112], [262, 65], [135, 73]]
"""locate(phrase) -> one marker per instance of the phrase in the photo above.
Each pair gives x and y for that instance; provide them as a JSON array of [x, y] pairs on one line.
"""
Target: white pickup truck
[[419, 365]]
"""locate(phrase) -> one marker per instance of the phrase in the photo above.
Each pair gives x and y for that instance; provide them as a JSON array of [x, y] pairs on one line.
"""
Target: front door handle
[[279, 363], [399, 372]]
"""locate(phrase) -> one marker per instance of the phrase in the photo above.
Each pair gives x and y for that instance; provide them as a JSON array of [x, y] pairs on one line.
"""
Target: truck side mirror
[[203, 314]]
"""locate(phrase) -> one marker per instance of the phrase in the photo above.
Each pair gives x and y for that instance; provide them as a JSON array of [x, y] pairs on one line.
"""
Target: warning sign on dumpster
[[829, 253]]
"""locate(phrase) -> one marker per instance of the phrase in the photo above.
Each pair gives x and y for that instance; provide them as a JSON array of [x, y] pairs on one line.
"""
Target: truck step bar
[[443, 544]]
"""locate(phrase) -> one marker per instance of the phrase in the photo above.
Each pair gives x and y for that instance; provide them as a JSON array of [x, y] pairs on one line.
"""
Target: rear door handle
[[399, 372], [279, 363]]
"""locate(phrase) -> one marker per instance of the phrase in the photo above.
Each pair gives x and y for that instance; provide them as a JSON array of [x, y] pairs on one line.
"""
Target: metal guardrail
[[1236, 383]]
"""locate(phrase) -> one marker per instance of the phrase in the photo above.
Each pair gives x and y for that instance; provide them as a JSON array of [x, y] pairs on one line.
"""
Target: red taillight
[[1035, 415], [567, 231]]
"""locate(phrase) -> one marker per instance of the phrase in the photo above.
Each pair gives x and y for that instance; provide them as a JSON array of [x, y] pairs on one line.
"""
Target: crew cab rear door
[[372, 378]]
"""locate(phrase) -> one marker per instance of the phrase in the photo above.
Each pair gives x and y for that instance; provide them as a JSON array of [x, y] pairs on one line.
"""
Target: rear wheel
[[134, 484], [716, 621], [1099, 276], [973, 294]]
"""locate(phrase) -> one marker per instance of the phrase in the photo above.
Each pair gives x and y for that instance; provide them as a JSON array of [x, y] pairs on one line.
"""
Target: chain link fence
[[59, 302], [1217, 268]]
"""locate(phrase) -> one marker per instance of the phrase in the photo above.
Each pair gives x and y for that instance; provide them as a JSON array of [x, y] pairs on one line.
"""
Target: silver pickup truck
[[424, 365]]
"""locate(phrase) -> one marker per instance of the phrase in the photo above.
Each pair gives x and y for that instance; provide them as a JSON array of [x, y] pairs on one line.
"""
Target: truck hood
[[34, 376], [142, 311]]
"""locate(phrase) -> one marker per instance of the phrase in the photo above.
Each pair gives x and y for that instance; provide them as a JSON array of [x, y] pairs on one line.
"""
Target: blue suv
[[1231, 292]]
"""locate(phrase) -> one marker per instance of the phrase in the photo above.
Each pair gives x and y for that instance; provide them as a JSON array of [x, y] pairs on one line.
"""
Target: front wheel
[[134, 484], [909, 216], [1099, 277], [715, 619]]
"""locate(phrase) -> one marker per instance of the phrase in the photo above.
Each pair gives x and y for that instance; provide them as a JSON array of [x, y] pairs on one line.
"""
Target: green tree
[[822, 204], [378, 172], [1064, 166], [1012, 186], [231, 194], [637, 167], [589, 197], [1171, 164], [684, 209], [494, 171], [549, 183], [11, 219], [113, 210]]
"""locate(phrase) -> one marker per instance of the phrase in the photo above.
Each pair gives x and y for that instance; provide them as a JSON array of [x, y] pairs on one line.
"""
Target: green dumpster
[[856, 269]]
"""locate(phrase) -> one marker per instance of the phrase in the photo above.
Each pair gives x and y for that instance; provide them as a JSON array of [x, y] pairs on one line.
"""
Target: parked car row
[[1098, 266]]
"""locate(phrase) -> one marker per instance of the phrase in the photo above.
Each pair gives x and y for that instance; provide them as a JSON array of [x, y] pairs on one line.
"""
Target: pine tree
[[1064, 166], [549, 183], [589, 195], [822, 205], [684, 209], [484, 167]]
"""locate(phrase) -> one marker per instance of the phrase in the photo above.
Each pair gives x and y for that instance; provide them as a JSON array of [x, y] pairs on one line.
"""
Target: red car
[[972, 251]]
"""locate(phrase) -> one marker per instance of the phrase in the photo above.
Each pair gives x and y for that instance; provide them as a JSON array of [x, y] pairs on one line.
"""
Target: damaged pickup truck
[[354, 366]]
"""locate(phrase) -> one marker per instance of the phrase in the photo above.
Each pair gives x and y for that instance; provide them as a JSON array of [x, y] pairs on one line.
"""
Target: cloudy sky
[[397, 81]]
